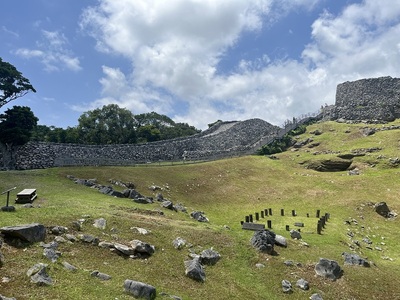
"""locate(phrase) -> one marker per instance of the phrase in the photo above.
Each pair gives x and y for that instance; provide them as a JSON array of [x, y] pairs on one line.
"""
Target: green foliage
[[108, 125], [114, 125], [282, 144], [148, 133], [167, 128], [12, 84], [16, 125]]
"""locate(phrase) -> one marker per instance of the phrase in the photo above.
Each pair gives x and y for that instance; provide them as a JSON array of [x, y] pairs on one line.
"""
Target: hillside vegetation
[[226, 191]]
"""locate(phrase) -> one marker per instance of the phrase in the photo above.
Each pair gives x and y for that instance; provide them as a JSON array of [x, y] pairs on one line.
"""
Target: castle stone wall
[[222, 140], [368, 99]]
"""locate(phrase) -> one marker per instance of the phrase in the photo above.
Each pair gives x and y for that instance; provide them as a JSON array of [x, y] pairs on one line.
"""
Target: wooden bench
[[26, 196], [253, 226]]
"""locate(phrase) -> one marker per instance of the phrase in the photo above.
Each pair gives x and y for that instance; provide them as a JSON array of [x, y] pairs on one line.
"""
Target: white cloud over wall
[[175, 46]]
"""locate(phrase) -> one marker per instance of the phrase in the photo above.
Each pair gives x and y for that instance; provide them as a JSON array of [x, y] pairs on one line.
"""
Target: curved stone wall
[[222, 140], [368, 99]]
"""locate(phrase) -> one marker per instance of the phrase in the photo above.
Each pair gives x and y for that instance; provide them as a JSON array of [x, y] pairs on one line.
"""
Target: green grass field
[[227, 191]]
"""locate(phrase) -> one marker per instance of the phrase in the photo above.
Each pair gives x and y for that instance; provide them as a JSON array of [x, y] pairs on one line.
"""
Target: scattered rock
[[354, 259], [6, 298], [179, 243], [195, 270], [199, 216], [58, 230], [100, 223], [142, 248], [140, 290], [31, 233], [303, 284], [383, 209], [366, 131], [328, 268], [260, 266], [51, 254], [280, 241], [141, 230], [209, 257], [316, 297], [295, 234], [99, 275], [287, 286], [38, 274], [87, 238], [69, 267], [264, 241]]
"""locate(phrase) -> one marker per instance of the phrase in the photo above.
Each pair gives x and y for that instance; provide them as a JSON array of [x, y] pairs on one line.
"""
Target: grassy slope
[[226, 191]]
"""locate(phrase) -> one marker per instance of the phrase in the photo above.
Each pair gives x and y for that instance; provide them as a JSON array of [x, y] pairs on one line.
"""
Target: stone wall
[[222, 140], [368, 99]]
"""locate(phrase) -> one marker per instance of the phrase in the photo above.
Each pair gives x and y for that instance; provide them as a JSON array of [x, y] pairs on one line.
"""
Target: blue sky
[[195, 61]]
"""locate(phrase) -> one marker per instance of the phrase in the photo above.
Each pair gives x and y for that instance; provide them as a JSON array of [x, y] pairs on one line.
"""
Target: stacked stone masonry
[[222, 140], [376, 99]]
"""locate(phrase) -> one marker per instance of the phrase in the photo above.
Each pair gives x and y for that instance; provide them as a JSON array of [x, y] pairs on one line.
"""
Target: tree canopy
[[114, 125], [16, 125], [107, 125], [12, 84]]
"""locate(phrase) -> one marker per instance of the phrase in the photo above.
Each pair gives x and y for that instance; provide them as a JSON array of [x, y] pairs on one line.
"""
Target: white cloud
[[175, 47], [52, 52]]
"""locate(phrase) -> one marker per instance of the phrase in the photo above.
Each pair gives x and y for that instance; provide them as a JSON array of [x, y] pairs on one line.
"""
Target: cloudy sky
[[195, 61]]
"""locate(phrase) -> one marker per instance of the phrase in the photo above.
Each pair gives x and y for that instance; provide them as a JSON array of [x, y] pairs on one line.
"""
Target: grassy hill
[[227, 191]]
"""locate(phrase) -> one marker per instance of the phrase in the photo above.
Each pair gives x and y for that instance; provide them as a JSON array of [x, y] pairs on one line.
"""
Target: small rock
[[69, 267], [287, 286], [140, 289], [100, 223], [316, 297], [303, 284], [101, 276], [179, 243], [328, 268], [295, 234], [260, 266], [195, 270], [209, 257]]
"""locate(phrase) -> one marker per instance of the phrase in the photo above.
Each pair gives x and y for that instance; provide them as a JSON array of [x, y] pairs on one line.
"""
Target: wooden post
[[282, 212], [323, 221], [287, 228], [262, 214], [266, 212], [319, 227], [308, 215], [326, 217], [269, 224], [257, 216], [318, 212], [247, 218], [251, 218], [270, 211], [293, 213]]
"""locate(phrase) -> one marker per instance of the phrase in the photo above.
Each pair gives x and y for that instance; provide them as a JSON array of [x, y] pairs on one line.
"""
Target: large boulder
[[31, 233], [264, 241], [140, 290], [354, 259], [328, 268], [383, 209], [209, 257], [142, 248], [195, 270], [38, 274]]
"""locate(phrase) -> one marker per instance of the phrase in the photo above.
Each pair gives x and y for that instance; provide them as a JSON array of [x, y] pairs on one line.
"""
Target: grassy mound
[[226, 191]]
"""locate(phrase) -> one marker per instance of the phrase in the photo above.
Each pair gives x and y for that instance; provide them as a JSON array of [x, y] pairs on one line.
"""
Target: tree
[[108, 125], [12, 84], [167, 128], [148, 133], [16, 125]]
